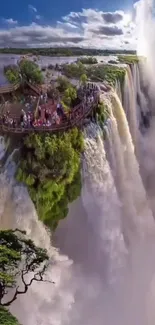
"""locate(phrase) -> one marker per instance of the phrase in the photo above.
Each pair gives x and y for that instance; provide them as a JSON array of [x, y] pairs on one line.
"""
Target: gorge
[[109, 233], [103, 266]]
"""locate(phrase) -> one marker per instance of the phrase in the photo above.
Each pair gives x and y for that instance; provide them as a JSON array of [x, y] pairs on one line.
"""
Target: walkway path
[[75, 118]]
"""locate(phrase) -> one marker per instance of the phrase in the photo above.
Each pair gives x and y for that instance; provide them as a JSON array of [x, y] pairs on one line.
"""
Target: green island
[[97, 72], [128, 59], [87, 60], [50, 167]]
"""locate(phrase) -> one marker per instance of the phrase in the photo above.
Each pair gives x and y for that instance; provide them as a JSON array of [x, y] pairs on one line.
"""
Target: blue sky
[[66, 23]]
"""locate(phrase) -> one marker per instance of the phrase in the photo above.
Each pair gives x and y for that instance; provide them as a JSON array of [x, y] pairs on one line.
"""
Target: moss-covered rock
[[50, 167]]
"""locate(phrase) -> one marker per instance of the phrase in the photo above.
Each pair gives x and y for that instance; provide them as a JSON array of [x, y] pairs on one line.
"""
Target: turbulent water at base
[[17, 211]]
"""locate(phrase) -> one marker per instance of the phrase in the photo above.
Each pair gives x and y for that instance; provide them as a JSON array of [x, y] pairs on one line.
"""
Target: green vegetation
[[100, 72], [6, 318], [30, 71], [67, 91], [74, 70], [128, 59], [27, 70], [69, 96], [50, 167], [19, 257], [108, 73], [88, 60], [83, 79], [102, 113], [12, 73], [63, 83], [62, 51]]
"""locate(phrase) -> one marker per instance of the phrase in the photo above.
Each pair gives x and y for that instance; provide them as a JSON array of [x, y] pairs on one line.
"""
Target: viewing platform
[[75, 118]]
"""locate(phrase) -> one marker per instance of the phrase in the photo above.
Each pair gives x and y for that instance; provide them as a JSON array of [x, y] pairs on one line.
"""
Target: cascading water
[[130, 105], [100, 199], [110, 231], [112, 202], [126, 173], [143, 215], [17, 211]]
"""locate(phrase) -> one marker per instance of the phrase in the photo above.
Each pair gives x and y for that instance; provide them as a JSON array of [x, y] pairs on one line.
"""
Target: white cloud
[[32, 8], [88, 28], [38, 17], [10, 21]]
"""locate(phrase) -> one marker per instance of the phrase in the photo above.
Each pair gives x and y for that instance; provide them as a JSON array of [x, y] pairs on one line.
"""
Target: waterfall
[[106, 265], [100, 200], [144, 217], [118, 89], [130, 105], [43, 299], [112, 202]]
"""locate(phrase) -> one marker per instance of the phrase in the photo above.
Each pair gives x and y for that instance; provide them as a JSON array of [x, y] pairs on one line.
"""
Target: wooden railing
[[9, 88], [75, 118], [36, 89]]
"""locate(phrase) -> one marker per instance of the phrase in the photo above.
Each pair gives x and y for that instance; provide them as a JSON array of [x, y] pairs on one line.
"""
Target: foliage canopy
[[19, 257], [50, 167], [100, 72], [27, 70], [6, 318], [88, 60], [30, 71]]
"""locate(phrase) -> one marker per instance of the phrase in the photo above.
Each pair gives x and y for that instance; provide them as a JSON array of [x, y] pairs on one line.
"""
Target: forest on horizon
[[62, 51]]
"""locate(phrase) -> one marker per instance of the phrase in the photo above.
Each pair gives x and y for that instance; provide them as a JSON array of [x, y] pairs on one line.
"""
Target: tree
[[63, 83], [83, 79], [88, 60], [19, 257], [6, 318], [74, 70], [70, 94], [12, 73], [30, 71], [53, 93]]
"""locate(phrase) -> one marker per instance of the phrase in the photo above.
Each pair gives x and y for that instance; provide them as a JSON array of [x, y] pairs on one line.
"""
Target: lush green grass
[[128, 59], [50, 167]]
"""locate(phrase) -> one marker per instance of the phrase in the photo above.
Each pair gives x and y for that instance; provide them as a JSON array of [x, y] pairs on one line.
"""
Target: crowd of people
[[48, 112]]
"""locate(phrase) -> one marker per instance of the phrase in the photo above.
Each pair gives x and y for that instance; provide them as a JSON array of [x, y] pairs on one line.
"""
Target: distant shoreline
[[51, 52]]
